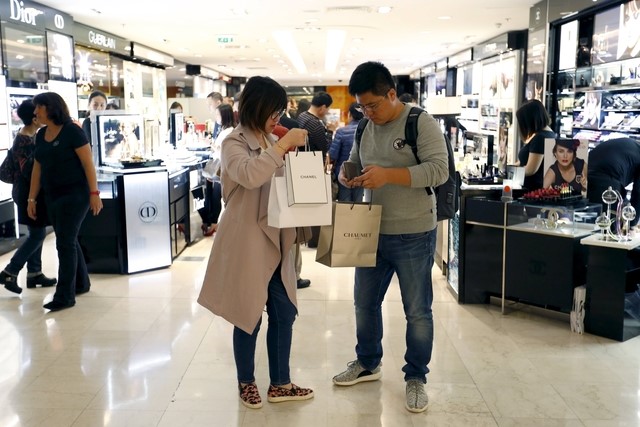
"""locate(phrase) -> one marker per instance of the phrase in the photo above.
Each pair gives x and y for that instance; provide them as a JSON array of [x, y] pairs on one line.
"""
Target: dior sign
[[26, 15]]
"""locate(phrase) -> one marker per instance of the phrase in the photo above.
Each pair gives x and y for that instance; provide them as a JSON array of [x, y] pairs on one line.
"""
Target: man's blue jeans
[[30, 252], [410, 256], [282, 314]]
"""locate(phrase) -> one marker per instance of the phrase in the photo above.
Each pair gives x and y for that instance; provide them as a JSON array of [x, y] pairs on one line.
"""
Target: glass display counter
[[544, 260]]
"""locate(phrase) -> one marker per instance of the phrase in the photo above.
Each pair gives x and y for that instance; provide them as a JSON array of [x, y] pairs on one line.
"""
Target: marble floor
[[139, 351]]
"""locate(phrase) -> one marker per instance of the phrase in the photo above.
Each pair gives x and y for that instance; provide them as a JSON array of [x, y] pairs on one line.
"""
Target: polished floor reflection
[[139, 351]]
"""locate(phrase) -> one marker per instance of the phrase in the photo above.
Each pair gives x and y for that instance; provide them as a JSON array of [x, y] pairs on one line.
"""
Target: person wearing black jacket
[[30, 251]]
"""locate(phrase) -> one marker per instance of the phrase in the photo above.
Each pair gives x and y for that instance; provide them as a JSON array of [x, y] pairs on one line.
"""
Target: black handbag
[[7, 169]]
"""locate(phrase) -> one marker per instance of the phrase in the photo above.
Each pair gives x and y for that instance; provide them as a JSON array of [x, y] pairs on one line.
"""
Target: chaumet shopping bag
[[306, 178], [352, 238], [281, 215]]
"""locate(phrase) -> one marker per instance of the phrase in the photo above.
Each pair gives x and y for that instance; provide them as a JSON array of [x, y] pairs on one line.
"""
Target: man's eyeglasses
[[370, 107], [278, 114]]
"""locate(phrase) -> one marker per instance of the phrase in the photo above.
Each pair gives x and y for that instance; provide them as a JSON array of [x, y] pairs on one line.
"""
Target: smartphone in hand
[[351, 170]]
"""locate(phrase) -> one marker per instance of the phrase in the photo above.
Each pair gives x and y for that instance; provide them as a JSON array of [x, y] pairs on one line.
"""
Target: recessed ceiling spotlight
[[444, 18], [384, 9]]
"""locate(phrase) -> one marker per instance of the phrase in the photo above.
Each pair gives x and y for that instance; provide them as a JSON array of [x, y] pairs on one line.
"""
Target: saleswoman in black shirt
[[64, 170], [533, 122]]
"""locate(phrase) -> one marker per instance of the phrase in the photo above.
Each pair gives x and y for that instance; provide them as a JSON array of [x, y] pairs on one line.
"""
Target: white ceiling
[[414, 34]]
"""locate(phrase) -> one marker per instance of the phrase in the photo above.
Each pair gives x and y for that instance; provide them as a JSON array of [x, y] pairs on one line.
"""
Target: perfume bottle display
[[624, 214]]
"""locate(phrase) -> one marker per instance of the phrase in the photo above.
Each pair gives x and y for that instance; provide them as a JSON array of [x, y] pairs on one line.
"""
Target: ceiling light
[[335, 41], [238, 11], [357, 40], [444, 18], [288, 45], [19, 56], [384, 9]]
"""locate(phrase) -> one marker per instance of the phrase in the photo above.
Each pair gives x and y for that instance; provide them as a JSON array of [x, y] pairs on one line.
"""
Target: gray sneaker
[[417, 398], [356, 373]]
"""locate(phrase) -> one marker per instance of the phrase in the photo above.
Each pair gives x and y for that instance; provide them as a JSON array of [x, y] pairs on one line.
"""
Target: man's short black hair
[[371, 77], [260, 98], [355, 113], [322, 98]]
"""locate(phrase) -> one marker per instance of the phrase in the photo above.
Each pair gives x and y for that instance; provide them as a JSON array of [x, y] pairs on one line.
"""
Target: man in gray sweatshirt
[[389, 171]]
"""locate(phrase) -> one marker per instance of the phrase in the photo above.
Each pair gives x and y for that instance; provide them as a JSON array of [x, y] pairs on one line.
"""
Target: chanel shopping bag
[[281, 215], [306, 180], [352, 239]]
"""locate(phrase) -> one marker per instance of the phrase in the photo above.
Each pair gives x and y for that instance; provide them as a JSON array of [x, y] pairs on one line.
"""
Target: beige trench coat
[[246, 251]]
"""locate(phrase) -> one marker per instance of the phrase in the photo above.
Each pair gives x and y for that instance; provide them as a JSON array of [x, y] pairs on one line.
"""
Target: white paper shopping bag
[[306, 178], [281, 215]]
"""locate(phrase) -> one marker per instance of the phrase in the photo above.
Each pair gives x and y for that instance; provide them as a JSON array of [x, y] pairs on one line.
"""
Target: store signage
[[22, 13], [491, 47], [460, 58], [143, 52], [34, 15], [95, 38]]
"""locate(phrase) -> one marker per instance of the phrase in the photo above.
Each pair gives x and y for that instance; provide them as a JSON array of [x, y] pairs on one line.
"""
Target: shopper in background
[[340, 150], [616, 163], [407, 231], [250, 264], [568, 169], [30, 251], [214, 99], [407, 98], [533, 122], [320, 136], [97, 102], [213, 190], [303, 105], [63, 170], [292, 108], [112, 106]]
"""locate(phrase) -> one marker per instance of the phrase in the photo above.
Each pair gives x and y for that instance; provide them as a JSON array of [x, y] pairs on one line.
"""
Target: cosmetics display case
[[523, 252]]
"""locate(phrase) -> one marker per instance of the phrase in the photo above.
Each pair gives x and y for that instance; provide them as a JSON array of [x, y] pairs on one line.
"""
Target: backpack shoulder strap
[[411, 130], [359, 130]]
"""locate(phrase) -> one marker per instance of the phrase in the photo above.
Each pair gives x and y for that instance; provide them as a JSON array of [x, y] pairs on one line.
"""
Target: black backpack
[[447, 200]]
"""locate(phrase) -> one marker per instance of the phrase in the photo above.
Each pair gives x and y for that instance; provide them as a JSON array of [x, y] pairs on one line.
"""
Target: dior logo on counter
[[24, 14], [148, 212]]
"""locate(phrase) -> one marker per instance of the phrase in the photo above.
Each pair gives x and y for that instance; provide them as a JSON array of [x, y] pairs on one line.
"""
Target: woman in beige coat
[[250, 266]]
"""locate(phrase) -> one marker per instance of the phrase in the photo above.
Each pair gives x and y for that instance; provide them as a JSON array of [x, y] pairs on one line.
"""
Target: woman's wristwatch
[[31, 201]]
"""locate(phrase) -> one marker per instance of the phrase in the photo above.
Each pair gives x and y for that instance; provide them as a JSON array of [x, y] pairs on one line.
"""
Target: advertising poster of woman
[[565, 164]]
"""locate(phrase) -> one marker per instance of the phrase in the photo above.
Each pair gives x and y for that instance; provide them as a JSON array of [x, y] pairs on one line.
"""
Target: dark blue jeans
[[29, 252], [67, 213], [410, 256], [282, 314], [346, 194]]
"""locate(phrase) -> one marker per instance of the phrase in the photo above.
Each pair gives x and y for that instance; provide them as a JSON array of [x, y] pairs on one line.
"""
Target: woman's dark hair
[[260, 98], [175, 105], [303, 105], [532, 118], [96, 93], [226, 116], [57, 110], [570, 144], [26, 112], [371, 77]]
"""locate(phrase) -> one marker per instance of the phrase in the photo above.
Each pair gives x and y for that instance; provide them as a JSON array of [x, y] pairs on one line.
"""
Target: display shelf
[[580, 230], [597, 240]]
